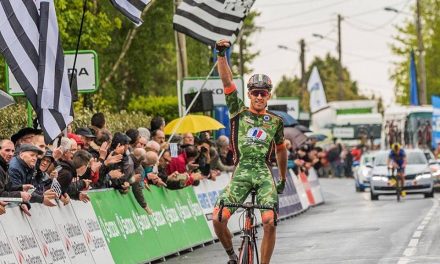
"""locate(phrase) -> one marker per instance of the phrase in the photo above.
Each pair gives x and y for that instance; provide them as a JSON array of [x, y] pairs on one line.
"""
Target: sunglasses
[[256, 93]]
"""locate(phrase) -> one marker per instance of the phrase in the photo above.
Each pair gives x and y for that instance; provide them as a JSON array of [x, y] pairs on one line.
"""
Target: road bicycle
[[396, 179], [248, 249]]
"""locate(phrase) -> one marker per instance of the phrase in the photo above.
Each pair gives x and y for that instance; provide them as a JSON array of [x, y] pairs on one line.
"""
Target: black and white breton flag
[[31, 45], [211, 20], [132, 9]]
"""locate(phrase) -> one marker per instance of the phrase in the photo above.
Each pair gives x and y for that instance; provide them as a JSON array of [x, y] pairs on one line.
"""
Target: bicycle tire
[[243, 257], [398, 189]]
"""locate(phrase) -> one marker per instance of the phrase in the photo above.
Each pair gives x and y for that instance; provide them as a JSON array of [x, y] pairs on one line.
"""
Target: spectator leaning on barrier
[[22, 172], [7, 189], [137, 180], [118, 148], [71, 176], [185, 163], [45, 172]]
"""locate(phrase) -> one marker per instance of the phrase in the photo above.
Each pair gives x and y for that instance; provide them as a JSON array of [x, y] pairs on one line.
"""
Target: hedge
[[14, 117]]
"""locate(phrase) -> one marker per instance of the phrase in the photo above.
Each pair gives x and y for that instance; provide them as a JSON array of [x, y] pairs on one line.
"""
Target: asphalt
[[349, 228]]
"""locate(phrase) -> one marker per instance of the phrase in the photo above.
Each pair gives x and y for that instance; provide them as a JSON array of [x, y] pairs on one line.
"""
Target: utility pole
[[340, 77], [302, 59], [422, 70]]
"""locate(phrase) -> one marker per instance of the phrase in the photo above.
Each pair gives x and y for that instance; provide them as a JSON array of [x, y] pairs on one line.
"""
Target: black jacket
[[69, 181], [6, 187]]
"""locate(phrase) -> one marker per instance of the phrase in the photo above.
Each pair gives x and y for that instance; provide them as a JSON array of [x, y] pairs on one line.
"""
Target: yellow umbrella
[[192, 124]]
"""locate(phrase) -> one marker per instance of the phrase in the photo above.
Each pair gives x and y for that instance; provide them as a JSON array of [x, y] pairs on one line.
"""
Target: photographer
[[207, 160]]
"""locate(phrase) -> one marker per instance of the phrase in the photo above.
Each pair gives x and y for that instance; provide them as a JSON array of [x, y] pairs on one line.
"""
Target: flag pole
[[77, 42], [189, 107]]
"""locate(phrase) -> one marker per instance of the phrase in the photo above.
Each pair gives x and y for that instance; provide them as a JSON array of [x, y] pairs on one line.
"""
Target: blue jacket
[[20, 173]]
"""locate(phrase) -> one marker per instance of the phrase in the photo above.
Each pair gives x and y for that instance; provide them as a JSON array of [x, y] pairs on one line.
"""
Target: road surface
[[349, 228]]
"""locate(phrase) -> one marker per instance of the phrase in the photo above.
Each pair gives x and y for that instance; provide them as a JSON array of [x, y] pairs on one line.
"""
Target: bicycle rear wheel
[[247, 252]]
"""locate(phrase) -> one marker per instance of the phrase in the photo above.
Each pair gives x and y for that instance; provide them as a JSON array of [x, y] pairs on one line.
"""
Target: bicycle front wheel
[[247, 252]]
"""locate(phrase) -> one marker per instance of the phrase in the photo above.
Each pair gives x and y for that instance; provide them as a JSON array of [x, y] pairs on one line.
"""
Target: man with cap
[[25, 136], [86, 136], [7, 189], [22, 171]]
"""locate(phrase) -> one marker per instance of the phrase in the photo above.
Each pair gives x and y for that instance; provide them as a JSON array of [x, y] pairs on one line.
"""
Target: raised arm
[[223, 67]]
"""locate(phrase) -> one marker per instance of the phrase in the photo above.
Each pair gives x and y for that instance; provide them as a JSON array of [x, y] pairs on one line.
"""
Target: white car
[[418, 177], [362, 173]]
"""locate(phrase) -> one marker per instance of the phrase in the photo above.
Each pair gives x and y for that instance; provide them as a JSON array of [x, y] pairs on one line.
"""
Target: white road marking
[[417, 234], [413, 242], [411, 249]]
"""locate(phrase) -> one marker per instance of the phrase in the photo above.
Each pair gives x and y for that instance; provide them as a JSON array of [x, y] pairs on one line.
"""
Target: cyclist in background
[[397, 160], [255, 134]]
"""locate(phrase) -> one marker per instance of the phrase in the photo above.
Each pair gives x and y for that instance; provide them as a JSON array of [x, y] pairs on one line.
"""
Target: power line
[[319, 22], [378, 27], [289, 3], [304, 12]]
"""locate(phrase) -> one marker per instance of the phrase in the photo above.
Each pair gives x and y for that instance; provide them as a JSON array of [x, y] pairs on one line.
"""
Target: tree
[[406, 39], [328, 71]]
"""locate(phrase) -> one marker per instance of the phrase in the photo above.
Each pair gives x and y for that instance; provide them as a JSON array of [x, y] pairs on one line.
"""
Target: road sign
[[86, 71]]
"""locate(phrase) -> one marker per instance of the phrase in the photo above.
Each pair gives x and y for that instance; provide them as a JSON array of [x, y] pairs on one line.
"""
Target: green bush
[[165, 106], [13, 118]]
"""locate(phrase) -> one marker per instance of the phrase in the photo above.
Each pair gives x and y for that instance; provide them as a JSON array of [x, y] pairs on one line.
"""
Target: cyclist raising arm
[[255, 134]]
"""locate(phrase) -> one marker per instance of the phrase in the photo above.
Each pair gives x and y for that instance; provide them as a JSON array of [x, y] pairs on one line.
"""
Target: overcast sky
[[367, 32]]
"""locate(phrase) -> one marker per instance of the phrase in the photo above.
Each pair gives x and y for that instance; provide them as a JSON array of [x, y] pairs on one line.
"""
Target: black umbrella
[[302, 128], [288, 120], [295, 136], [5, 99]]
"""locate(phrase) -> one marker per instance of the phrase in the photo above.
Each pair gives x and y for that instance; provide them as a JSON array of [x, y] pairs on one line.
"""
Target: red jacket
[[177, 164]]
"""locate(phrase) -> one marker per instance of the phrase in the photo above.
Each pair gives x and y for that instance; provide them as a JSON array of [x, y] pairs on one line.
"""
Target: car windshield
[[367, 159], [413, 158]]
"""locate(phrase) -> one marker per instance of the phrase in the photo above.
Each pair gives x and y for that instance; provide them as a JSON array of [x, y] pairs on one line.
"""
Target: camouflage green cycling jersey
[[254, 138]]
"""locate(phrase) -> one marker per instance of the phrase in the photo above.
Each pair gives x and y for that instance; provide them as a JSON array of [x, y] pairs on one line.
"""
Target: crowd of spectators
[[93, 157], [336, 160]]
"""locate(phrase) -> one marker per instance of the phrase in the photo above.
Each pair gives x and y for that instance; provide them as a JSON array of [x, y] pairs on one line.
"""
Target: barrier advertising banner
[[6, 253], [47, 235], [92, 232], [71, 234], [133, 236], [289, 202], [20, 235]]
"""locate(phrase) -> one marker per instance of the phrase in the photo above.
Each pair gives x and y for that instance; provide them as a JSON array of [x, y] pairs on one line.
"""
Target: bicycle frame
[[248, 246]]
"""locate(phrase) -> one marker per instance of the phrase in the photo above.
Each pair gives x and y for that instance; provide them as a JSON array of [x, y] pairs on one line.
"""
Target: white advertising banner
[[343, 132], [47, 235], [20, 235], [318, 100], [71, 233], [214, 84], [86, 72], [92, 232], [6, 253]]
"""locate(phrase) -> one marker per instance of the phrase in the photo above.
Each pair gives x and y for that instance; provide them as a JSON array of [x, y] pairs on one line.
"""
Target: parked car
[[362, 173], [434, 165], [418, 177]]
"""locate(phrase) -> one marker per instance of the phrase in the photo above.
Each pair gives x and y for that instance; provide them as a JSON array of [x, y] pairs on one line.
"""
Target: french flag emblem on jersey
[[257, 133]]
